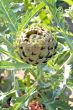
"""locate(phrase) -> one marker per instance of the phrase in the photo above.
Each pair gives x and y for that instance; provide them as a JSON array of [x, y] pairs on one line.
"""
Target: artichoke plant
[[36, 45]]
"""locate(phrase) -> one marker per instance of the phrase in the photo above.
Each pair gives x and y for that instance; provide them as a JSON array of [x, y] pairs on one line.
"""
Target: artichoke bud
[[36, 45]]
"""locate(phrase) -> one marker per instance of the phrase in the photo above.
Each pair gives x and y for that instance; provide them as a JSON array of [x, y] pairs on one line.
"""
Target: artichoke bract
[[36, 46]]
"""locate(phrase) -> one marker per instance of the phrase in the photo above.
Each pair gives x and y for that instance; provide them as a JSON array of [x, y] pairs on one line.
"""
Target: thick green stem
[[39, 72]]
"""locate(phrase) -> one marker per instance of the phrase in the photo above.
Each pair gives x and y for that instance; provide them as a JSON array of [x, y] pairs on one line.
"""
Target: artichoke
[[36, 45]]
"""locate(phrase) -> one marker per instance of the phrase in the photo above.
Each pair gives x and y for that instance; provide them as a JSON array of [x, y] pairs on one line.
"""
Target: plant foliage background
[[20, 82]]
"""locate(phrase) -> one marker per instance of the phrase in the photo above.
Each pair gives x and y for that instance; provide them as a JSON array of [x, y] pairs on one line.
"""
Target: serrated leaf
[[51, 1], [61, 39], [13, 65], [62, 57], [23, 99], [28, 15], [11, 55], [8, 14], [7, 43], [53, 9]]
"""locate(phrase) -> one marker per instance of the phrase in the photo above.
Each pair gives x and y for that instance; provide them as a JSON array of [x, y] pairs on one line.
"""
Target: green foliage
[[8, 15], [70, 2], [49, 83], [28, 15], [62, 57]]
